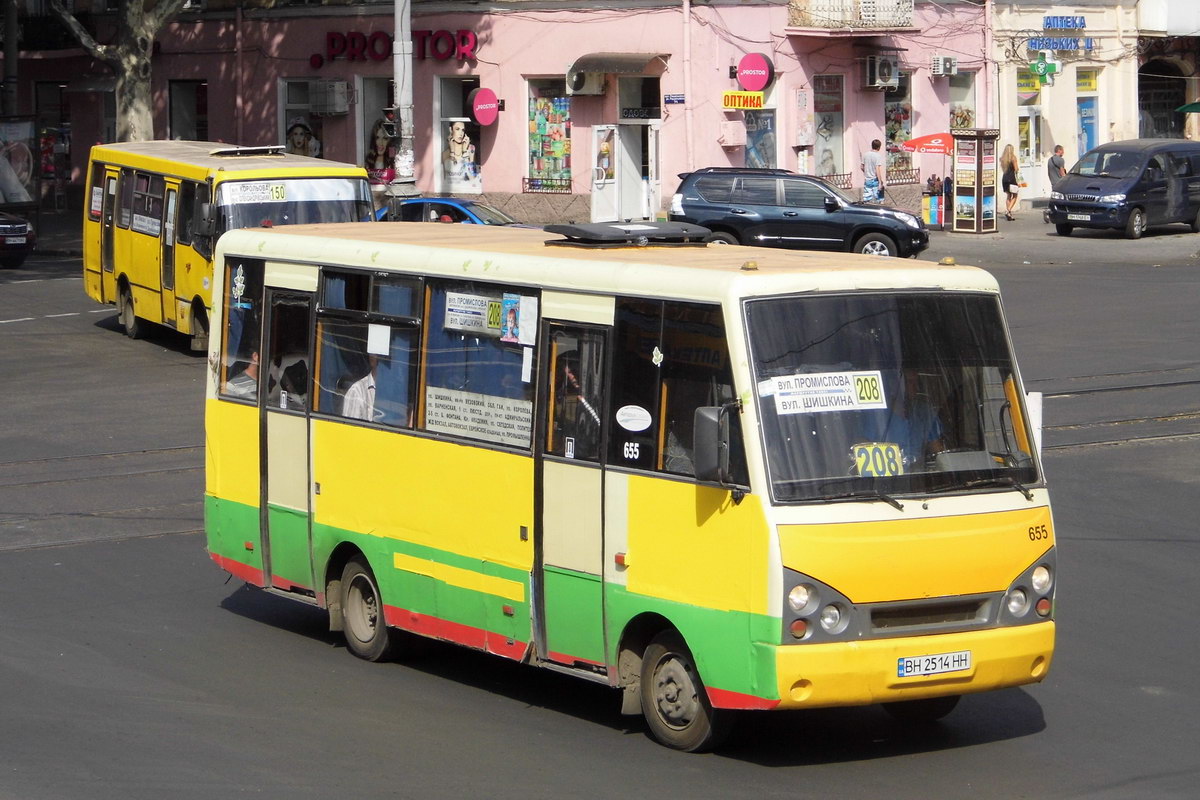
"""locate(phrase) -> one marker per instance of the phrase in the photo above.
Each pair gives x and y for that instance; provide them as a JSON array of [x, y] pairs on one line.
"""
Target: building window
[[1087, 103], [962, 100], [460, 172], [189, 110], [828, 107], [897, 119], [760, 139], [301, 131], [549, 135], [1029, 112]]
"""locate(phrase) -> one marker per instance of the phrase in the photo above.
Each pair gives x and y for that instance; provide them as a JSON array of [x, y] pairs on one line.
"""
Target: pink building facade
[[653, 92]]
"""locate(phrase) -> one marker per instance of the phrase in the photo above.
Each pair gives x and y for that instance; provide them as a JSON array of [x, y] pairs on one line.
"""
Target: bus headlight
[[832, 619], [1041, 579], [1018, 602], [801, 598]]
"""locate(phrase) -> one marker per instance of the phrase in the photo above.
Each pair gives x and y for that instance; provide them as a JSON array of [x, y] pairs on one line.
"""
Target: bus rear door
[[108, 214], [170, 314]]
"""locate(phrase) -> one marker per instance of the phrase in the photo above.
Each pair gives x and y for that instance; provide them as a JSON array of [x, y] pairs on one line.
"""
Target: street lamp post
[[404, 184]]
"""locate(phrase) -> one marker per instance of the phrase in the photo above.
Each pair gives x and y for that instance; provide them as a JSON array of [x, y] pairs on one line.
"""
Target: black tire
[[199, 328], [876, 244], [1136, 225], [674, 701], [1196, 223], [134, 327], [363, 624], [922, 712], [720, 237], [12, 262], [1063, 229]]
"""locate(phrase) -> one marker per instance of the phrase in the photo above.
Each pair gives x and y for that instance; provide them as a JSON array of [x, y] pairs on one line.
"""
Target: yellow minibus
[[155, 209], [716, 479]]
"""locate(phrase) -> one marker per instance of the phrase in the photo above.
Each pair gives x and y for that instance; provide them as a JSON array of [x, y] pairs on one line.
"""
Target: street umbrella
[[1189, 108], [932, 143]]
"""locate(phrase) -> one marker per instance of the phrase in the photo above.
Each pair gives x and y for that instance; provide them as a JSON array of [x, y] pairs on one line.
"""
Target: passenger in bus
[[245, 384], [359, 402], [576, 417], [912, 422]]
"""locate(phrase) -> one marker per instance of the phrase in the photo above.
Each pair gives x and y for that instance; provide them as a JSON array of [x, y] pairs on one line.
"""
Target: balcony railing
[[852, 14]]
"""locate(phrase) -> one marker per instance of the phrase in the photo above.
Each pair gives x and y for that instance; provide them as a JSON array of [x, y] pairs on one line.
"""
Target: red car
[[17, 240]]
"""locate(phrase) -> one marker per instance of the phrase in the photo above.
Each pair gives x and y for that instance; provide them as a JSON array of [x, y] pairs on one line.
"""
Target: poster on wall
[[460, 167], [380, 160], [1087, 123], [549, 140], [18, 167], [300, 138], [828, 117], [760, 139]]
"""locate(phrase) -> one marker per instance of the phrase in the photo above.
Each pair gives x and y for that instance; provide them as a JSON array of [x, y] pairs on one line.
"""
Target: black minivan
[[779, 208], [1130, 185]]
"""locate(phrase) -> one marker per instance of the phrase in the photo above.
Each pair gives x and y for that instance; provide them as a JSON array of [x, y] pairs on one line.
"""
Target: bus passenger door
[[108, 214], [285, 506], [569, 548], [170, 209]]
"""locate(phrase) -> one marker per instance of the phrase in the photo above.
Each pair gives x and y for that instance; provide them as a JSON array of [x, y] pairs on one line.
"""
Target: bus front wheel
[[129, 321], [674, 700], [363, 622]]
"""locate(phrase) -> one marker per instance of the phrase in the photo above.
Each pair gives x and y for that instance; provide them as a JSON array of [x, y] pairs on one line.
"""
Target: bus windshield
[[869, 394], [290, 201]]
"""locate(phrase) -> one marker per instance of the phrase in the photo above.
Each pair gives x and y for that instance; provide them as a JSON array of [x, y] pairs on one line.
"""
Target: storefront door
[[605, 195]]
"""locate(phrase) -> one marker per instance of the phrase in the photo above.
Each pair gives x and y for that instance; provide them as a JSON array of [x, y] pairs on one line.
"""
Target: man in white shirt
[[359, 402]]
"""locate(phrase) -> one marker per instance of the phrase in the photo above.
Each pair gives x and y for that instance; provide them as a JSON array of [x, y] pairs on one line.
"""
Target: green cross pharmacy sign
[[1045, 68]]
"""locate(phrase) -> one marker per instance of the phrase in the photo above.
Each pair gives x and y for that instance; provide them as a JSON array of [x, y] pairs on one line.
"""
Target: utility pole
[[404, 184]]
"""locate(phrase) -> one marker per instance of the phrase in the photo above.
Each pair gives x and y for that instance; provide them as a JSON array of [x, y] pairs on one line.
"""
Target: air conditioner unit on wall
[[882, 72], [944, 65], [328, 97], [585, 82]]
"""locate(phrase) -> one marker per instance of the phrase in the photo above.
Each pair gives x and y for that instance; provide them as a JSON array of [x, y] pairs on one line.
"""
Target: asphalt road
[[131, 667]]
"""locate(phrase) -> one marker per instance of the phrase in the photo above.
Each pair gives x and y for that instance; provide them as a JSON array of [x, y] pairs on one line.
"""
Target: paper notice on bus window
[[473, 314], [815, 392], [379, 339]]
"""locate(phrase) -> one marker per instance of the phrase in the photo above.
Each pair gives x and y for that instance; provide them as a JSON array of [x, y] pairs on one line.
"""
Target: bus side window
[[187, 209], [287, 382], [634, 439], [242, 333], [125, 206]]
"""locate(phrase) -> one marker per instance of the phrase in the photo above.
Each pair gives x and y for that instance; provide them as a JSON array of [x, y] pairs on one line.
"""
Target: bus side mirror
[[710, 444], [204, 222]]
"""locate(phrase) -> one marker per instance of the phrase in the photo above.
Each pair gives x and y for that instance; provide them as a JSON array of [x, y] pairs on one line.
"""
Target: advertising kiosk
[[976, 180]]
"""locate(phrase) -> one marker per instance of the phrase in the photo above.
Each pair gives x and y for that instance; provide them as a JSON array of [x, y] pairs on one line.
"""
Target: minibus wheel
[[1196, 223], [930, 709], [129, 321], [363, 623], [1136, 225], [674, 700]]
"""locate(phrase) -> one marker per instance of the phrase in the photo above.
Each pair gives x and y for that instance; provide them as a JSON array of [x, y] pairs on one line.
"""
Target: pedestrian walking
[[874, 174], [1056, 166], [1010, 180]]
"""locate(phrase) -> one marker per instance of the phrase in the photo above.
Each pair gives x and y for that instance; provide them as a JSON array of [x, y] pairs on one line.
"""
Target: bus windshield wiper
[[998, 480], [867, 494]]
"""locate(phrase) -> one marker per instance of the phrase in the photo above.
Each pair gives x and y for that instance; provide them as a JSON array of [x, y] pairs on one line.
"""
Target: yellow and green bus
[[155, 209], [714, 478]]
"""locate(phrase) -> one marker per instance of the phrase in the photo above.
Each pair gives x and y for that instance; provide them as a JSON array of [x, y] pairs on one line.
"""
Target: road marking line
[[22, 319], [72, 314]]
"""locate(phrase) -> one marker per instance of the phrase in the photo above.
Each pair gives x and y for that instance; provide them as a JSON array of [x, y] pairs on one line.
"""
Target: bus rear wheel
[[134, 328], [674, 700], [930, 709], [363, 622]]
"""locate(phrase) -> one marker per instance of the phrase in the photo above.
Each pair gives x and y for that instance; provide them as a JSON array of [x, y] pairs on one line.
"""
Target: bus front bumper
[[866, 672]]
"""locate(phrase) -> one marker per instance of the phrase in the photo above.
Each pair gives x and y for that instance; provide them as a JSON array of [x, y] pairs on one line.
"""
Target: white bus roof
[[521, 256]]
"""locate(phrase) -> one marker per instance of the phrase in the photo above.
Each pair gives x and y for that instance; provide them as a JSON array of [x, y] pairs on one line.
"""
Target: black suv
[[778, 208]]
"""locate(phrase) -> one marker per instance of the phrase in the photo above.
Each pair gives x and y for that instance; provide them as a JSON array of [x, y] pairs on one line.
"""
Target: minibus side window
[[242, 332], [480, 362], [125, 208], [187, 209], [96, 203], [367, 336]]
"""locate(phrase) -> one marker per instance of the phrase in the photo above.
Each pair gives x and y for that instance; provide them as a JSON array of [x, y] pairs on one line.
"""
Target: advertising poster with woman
[[460, 167], [18, 167]]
